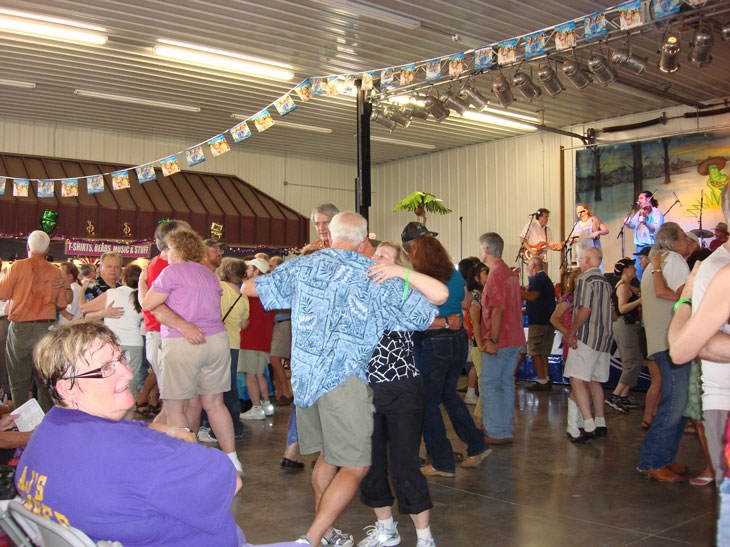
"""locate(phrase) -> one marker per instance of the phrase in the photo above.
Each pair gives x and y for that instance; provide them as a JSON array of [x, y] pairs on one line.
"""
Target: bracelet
[[682, 301], [405, 287], [658, 270]]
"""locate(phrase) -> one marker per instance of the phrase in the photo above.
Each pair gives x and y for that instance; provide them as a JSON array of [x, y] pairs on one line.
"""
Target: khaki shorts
[[251, 361], [587, 364], [540, 339], [340, 422], [281, 340], [153, 351], [190, 370]]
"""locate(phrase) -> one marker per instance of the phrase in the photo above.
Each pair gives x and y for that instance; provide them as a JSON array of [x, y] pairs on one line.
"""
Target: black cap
[[414, 230], [621, 265], [644, 252]]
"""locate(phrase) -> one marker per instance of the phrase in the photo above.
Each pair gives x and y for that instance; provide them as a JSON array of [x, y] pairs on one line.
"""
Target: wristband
[[682, 301], [405, 287]]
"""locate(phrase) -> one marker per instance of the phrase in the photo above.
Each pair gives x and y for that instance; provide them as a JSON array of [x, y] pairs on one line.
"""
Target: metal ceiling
[[316, 40]]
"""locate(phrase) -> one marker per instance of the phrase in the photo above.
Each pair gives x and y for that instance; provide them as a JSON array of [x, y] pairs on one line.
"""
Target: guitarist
[[537, 238]]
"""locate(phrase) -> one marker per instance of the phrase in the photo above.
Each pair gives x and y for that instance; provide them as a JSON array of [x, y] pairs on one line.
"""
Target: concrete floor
[[542, 490]]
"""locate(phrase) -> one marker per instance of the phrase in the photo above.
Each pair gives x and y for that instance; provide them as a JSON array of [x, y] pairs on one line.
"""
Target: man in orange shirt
[[35, 289]]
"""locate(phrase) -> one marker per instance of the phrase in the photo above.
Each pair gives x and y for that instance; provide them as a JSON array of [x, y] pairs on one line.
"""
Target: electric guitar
[[528, 251]]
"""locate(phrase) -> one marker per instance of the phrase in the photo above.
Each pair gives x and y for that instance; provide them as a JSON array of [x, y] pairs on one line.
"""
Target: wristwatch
[[446, 323], [494, 340]]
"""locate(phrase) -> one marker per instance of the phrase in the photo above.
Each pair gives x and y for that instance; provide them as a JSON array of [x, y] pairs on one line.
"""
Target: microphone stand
[[461, 238], [670, 208], [567, 251], [520, 256], [621, 232], [702, 198]]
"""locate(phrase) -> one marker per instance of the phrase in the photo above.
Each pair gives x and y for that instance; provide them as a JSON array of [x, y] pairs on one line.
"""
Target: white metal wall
[[492, 186], [309, 181]]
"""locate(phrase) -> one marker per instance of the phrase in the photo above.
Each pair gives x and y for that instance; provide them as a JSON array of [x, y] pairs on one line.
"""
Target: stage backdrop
[[608, 179]]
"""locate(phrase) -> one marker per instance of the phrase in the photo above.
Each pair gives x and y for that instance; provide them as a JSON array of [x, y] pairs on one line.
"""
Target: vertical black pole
[[362, 183]]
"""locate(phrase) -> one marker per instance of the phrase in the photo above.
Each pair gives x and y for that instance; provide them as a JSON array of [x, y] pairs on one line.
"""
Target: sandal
[[701, 481], [142, 408], [645, 425]]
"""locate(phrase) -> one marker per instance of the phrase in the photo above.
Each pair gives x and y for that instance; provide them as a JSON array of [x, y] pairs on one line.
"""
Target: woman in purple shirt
[[190, 370]]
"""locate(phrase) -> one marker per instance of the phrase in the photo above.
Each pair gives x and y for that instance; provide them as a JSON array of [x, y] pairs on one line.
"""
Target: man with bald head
[[338, 315], [589, 337]]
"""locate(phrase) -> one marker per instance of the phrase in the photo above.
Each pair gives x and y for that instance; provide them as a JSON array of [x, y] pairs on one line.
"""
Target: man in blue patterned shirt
[[338, 316]]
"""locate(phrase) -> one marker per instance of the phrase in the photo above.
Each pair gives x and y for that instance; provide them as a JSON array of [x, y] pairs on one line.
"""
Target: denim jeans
[[662, 440], [723, 517], [441, 358], [497, 391], [637, 264]]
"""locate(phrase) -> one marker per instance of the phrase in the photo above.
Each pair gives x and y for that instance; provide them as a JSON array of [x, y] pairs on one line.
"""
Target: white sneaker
[[338, 539], [471, 399], [380, 536], [426, 543], [204, 435], [268, 408], [253, 413], [238, 466]]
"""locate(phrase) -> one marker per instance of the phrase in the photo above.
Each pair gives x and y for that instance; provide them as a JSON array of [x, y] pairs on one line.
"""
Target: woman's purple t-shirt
[[194, 293]]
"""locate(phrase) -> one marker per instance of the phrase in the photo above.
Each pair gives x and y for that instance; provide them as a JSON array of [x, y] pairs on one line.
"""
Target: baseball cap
[[210, 242], [414, 230], [644, 252], [260, 264], [621, 265], [693, 237]]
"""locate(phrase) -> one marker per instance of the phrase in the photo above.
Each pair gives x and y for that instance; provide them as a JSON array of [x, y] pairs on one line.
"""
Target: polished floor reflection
[[541, 490]]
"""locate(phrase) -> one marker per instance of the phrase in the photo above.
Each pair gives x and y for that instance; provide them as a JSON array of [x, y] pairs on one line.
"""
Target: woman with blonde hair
[[194, 292]]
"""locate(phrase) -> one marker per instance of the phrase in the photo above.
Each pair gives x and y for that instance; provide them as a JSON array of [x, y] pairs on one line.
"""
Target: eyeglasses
[[581, 211], [104, 371]]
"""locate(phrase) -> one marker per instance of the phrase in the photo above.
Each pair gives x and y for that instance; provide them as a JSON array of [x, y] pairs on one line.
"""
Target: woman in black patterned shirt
[[399, 400]]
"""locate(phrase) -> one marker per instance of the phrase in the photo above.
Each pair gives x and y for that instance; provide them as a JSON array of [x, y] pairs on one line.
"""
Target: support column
[[362, 182]]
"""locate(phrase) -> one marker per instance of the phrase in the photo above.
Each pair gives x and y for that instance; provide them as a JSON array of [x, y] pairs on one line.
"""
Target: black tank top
[[631, 317]]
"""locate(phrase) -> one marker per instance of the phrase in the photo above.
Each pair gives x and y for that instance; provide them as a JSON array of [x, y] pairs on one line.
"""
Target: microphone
[[532, 215], [675, 197]]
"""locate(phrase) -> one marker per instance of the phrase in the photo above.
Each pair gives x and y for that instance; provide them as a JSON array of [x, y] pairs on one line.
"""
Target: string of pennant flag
[[625, 17]]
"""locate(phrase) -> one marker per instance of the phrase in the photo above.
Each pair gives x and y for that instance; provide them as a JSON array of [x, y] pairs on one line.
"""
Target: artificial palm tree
[[419, 203]]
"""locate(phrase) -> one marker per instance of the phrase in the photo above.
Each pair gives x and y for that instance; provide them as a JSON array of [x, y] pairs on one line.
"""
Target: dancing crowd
[[137, 367]]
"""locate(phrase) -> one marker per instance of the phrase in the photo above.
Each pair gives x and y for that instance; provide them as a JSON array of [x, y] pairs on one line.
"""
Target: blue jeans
[[723, 518], [662, 440], [638, 249], [441, 358], [497, 391]]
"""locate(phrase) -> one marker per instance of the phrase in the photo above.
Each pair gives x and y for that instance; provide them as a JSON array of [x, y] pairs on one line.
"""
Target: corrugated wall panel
[[312, 181]]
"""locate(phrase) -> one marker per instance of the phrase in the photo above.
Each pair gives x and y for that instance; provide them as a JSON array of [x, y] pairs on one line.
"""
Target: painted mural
[[688, 173]]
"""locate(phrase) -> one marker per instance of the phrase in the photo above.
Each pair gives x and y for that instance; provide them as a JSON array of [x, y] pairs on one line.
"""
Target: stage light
[[525, 86], [502, 91], [669, 58], [411, 111], [474, 98], [632, 63], [577, 76], [453, 102], [597, 65], [435, 108], [396, 115], [701, 48], [725, 32], [379, 117], [549, 80]]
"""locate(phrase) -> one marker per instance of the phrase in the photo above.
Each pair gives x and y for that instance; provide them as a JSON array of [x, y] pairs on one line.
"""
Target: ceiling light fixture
[[577, 76], [549, 80], [412, 110], [629, 61], [701, 48], [47, 19], [223, 52], [473, 97], [496, 120], [135, 100], [381, 16], [397, 116], [524, 85], [669, 54], [228, 62], [434, 107], [512, 114], [597, 65], [454, 103], [502, 91], [378, 116], [52, 32], [387, 140], [17, 83], [725, 32]]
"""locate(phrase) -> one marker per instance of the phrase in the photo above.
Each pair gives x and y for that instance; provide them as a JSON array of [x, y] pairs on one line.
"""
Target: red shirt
[[153, 270], [260, 327], [503, 291]]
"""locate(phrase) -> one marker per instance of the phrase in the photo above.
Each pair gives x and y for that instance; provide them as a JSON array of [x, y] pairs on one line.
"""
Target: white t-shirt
[[534, 233], [126, 327], [715, 376], [73, 307]]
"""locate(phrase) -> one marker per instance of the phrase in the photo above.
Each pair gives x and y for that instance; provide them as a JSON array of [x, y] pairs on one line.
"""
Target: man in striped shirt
[[589, 337]]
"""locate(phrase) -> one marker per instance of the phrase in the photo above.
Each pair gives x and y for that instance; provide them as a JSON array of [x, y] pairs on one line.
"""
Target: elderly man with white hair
[[338, 316], [35, 289], [590, 337]]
